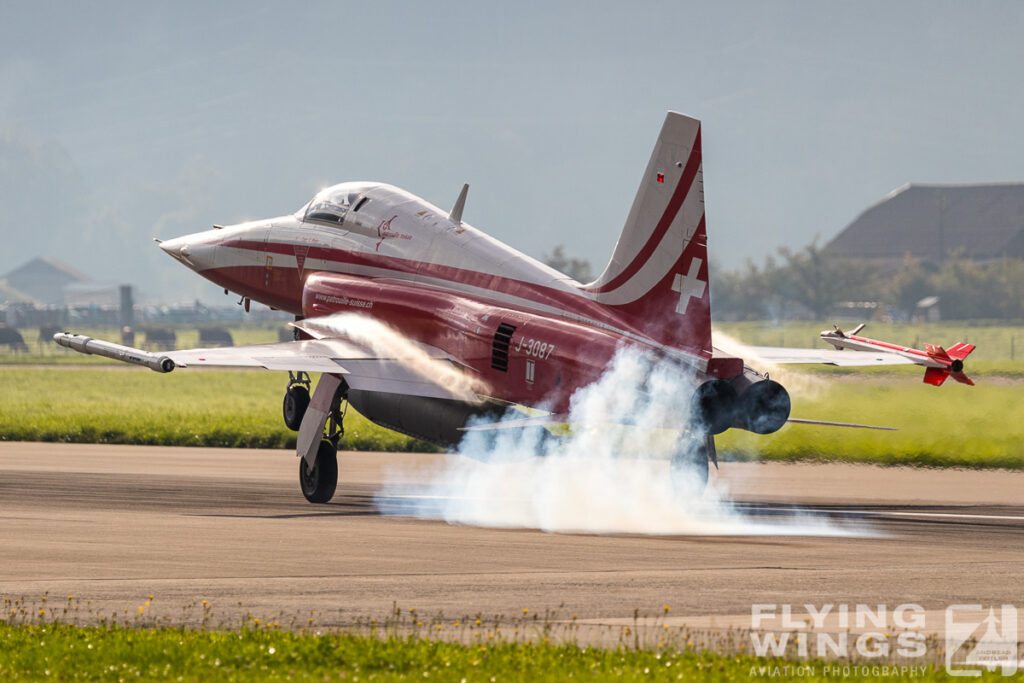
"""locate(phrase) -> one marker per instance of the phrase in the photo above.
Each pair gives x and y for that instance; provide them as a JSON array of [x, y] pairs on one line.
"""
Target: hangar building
[[934, 222]]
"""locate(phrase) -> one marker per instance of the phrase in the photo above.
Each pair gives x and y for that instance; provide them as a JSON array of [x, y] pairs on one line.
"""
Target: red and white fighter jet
[[423, 323]]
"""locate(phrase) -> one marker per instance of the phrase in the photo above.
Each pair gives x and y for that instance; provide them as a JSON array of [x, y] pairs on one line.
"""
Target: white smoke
[[605, 477], [797, 383]]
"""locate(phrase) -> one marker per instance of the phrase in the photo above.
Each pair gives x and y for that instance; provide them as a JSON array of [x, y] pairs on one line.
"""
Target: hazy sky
[[124, 121]]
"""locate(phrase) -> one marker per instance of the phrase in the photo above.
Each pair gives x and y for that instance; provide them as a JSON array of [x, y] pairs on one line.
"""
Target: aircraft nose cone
[[195, 251]]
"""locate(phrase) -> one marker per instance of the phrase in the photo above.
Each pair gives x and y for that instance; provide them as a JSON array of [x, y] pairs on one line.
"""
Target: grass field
[[981, 426], [234, 408], [952, 425], [55, 651]]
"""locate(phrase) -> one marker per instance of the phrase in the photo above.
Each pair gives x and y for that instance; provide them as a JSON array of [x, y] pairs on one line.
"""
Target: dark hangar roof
[[931, 222]]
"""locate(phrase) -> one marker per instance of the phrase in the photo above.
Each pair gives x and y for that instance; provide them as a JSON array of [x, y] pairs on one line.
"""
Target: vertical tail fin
[[657, 279], [960, 350]]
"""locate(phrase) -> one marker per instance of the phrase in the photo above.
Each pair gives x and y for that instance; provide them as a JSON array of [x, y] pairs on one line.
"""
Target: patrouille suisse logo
[[384, 232]]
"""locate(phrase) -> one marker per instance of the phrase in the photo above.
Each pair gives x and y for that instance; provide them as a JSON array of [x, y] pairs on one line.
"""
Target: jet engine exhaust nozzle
[[713, 406], [763, 408]]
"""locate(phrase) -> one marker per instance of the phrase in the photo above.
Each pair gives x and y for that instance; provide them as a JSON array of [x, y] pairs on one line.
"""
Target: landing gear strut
[[690, 464], [296, 399], [319, 479]]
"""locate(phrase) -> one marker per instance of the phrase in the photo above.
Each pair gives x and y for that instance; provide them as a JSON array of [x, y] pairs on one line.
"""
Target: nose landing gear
[[320, 430], [319, 482]]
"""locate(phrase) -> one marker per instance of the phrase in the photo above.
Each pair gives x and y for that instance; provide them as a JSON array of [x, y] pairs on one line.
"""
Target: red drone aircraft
[[467, 327]]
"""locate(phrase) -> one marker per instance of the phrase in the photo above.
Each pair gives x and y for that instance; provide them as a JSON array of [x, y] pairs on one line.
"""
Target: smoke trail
[[604, 478], [797, 383], [384, 341]]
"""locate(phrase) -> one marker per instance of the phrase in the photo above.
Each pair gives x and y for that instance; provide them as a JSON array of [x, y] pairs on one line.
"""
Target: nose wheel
[[319, 482], [320, 431]]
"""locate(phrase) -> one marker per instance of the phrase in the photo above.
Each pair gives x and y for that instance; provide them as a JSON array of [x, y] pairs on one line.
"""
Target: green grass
[[952, 425], [56, 651], [233, 408], [948, 426]]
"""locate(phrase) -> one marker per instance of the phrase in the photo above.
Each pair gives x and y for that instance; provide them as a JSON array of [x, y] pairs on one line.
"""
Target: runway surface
[[114, 524]]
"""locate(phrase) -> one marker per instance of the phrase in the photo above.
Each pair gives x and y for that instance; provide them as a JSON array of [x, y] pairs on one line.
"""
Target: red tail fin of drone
[[954, 357], [960, 351], [657, 279]]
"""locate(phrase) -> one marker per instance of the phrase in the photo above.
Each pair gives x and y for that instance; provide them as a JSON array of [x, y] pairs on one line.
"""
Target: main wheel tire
[[318, 484], [689, 468], [296, 400]]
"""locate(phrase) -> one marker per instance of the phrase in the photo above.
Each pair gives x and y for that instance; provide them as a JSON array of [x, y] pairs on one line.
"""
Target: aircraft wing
[[430, 373], [781, 355]]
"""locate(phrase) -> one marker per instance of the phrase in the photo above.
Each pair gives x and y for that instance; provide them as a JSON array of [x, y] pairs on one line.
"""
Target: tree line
[[811, 283]]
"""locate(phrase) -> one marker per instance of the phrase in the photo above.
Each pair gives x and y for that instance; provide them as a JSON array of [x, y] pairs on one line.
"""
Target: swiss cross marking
[[688, 286]]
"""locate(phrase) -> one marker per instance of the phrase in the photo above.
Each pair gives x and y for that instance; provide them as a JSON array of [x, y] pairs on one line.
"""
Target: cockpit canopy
[[332, 204]]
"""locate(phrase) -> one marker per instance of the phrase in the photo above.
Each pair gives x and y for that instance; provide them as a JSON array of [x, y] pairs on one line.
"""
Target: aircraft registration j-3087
[[479, 327]]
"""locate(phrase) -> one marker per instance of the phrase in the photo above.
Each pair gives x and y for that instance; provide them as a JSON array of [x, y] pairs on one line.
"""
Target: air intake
[[499, 349]]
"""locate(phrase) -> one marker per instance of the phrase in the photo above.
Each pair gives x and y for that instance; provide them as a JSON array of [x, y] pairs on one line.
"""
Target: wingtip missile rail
[[126, 354]]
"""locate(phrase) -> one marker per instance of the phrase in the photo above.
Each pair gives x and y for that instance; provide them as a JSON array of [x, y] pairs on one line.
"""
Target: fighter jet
[[429, 326]]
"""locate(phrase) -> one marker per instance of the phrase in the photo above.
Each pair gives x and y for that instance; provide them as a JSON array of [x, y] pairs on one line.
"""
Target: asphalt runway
[[112, 525]]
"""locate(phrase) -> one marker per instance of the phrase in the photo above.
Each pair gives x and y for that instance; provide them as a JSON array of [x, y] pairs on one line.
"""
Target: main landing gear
[[691, 462], [319, 421], [296, 399]]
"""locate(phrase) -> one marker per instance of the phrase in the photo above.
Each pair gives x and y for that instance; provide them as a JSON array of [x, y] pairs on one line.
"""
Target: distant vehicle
[[12, 338], [215, 336], [497, 328]]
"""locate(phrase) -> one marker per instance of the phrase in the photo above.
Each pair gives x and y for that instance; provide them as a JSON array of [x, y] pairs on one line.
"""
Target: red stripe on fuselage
[[682, 191], [567, 302]]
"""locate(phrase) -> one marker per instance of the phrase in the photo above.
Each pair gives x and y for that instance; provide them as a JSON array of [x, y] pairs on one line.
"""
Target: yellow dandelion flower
[[526, 611]]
